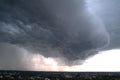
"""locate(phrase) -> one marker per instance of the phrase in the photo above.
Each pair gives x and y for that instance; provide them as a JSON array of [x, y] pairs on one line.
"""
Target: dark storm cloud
[[57, 29]]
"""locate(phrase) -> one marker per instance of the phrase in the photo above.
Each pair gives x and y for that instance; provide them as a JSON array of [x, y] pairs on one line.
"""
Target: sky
[[59, 35], [104, 61]]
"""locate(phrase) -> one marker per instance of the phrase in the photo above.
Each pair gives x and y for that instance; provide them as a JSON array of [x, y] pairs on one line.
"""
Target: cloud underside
[[26, 25]]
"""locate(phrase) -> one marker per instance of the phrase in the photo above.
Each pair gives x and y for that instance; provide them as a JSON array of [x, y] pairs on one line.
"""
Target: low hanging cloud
[[69, 32], [17, 58]]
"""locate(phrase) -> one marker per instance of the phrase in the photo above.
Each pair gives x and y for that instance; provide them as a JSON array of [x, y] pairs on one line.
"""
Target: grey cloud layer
[[13, 58], [108, 11], [48, 28]]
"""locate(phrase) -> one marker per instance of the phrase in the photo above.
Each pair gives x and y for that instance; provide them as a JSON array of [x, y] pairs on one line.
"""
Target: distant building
[[47, 79]]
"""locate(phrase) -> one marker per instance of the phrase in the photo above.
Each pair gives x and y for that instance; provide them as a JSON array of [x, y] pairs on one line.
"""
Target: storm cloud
[[58, 29]]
